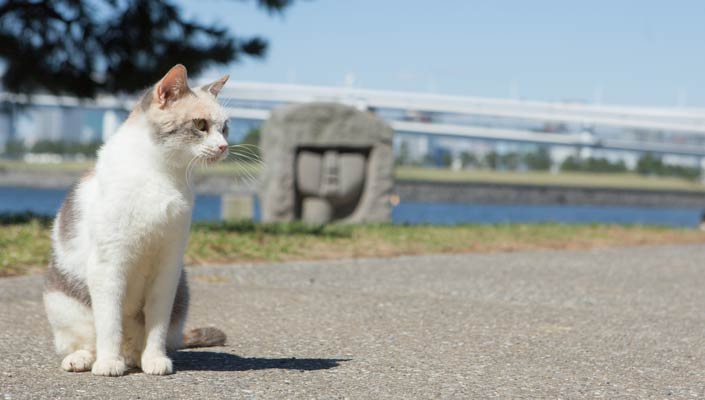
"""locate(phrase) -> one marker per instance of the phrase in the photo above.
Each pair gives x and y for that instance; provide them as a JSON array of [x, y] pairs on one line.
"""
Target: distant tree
[[511, 161], [591, 164], [571, 163], [88, 149], [427, 160], [539, 160], [492, 160], [15, 148], [49, 146], [404, 156], [649, 164], [495, 161], [85, 47], [604, 165], [691, 173], [446, 160], [469, 160]]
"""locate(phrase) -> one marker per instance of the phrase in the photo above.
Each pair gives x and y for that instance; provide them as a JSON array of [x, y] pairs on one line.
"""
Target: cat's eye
[[200, 124], [225, 130]]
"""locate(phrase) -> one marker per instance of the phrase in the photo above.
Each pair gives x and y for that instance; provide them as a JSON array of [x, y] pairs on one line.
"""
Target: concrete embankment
[[424, 191], [490, 193], [205, 184]]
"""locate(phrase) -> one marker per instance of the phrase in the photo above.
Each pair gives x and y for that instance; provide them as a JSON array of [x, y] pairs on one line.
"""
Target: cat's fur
[[115, 292]]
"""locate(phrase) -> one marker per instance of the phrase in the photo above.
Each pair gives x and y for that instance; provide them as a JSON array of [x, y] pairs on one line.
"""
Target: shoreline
[[419, 190], [213, 184]]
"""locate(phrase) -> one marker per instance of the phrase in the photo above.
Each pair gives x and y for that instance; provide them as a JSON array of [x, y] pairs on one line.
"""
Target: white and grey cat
[[115, 291]]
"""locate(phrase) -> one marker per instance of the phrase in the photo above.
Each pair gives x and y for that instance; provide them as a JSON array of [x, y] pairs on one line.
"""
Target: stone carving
[[326, 162]]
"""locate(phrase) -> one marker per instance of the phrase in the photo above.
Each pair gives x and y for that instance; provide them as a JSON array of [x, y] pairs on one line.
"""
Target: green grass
[[24, 247], [606, 180], [25, 244]]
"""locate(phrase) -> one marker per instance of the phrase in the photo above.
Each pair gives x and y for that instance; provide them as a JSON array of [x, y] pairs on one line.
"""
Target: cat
[[115, 290]]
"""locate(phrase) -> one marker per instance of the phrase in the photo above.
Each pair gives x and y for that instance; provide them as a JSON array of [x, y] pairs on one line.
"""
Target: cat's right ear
[[172, 86]]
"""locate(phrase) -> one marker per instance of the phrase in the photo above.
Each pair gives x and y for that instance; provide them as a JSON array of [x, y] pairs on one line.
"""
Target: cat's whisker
[[246, 150], [246, 172], [247, 179], [245, 145], [251, 171], [188, 172], [250, 154], [249, 159], [249, 148], [249, 151]]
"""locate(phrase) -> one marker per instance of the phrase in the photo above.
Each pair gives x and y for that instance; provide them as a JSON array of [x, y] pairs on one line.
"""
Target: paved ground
[[626, 323]]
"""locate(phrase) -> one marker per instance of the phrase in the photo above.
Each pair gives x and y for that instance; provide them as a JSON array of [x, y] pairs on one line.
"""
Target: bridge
[[665, 131], [640, 129]]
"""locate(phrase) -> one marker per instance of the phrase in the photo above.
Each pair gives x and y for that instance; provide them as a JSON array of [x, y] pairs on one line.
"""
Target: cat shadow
[[216, 361]]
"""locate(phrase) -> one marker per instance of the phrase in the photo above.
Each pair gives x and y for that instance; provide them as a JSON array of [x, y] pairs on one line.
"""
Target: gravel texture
[[619, 323]]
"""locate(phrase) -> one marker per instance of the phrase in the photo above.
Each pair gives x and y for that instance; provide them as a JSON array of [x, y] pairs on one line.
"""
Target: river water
[[48, 201]]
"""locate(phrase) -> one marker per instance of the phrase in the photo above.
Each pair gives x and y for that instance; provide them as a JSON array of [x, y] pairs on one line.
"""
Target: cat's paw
[[110, 367], [78, 361], [160, 365]]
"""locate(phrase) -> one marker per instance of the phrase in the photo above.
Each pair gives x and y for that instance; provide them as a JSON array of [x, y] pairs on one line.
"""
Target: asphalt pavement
[[612, 323]]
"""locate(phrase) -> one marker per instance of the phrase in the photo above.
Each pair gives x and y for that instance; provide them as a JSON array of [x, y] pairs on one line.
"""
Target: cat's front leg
[[107, 285], [157, 312]]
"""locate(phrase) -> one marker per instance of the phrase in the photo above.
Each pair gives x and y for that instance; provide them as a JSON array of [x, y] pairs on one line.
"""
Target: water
[[48, 201], [448, 214]]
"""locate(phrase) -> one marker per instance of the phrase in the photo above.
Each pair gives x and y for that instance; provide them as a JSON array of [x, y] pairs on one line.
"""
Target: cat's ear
[[173, 86], [215, 87]]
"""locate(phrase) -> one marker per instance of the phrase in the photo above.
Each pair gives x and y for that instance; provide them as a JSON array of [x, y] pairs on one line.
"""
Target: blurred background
[[504, 111]]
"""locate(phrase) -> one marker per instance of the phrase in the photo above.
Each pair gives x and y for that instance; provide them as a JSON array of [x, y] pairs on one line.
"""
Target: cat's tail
[[204, 337]]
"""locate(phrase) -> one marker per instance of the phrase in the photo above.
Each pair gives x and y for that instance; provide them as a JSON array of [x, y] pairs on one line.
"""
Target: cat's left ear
[[215, 87]]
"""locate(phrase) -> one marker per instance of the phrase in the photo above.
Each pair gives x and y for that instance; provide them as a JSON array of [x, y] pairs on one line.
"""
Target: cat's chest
[[164, 205], [165, 219], [146, 208], [157, 227]]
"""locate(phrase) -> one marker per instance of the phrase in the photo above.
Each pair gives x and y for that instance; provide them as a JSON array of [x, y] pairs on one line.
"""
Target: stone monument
[[326, 162]]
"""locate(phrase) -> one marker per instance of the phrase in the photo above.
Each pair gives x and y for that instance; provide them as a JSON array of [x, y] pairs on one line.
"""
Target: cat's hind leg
[[199, 337], [74, 332]]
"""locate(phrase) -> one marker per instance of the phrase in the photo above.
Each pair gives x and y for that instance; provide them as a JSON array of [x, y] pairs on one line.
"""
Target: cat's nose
[[223, 147]]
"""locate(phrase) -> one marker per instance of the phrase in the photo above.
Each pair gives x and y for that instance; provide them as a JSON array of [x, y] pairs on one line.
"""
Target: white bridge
[[666, 131], [640, 129]]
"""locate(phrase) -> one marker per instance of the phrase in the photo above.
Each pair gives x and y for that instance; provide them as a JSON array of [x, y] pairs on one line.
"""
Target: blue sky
[[616, 52]]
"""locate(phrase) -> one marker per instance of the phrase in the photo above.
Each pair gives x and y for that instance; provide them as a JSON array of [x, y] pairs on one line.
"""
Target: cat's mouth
[[214, 158]]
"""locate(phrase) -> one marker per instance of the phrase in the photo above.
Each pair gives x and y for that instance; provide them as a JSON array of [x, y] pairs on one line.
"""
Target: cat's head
[[187, 123]]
